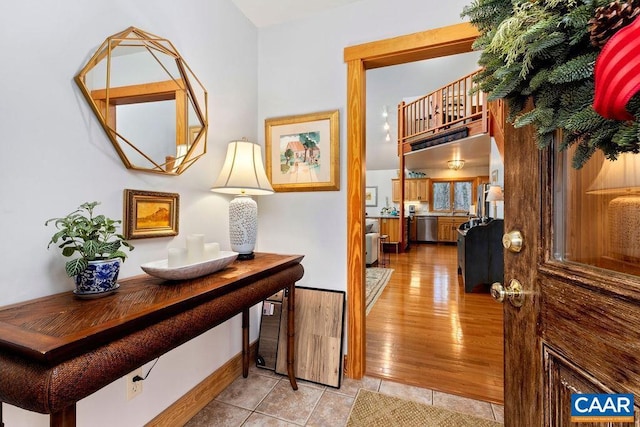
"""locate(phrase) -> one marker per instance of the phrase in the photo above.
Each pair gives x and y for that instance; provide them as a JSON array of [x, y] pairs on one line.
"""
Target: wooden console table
[[56, 350]]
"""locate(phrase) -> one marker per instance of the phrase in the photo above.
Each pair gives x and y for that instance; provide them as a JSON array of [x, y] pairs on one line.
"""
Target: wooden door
[[578, 329]]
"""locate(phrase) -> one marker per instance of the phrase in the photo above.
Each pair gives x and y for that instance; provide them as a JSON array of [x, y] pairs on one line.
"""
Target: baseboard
[[185, 408]]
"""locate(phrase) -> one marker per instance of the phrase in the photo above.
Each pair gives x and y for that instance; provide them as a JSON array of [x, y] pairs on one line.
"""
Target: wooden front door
[[578, 329]]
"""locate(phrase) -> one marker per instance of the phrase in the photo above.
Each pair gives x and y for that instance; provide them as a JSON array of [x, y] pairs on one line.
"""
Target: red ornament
[[617, 73]]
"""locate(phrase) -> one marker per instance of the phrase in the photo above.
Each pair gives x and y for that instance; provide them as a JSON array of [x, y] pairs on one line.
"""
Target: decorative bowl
[[189, 271]]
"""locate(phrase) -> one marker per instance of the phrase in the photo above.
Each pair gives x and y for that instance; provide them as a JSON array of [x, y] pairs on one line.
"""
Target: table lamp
[[243, 175], [494, 195], [621, 178]]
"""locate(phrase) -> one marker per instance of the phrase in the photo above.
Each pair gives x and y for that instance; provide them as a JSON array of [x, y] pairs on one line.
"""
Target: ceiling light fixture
[[455, 164]]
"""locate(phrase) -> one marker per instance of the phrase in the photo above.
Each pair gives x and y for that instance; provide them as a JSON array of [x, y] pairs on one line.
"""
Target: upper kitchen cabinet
[[415, 189]]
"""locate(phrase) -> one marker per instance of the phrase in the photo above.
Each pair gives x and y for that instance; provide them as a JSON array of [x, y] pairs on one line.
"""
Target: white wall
[[56, 156], [382, 180], [302, 70], [496, 163]]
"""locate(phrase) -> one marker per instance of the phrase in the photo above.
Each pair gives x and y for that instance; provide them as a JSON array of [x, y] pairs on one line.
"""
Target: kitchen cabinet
[[448, 228], [395, 190], [415, 189], [413, 231], [390, 227]]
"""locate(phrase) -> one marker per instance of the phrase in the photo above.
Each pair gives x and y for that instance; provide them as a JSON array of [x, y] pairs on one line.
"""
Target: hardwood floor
[[425, 331]]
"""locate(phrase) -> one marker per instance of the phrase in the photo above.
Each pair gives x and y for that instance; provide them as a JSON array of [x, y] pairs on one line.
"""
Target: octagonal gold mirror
[[149, 102]]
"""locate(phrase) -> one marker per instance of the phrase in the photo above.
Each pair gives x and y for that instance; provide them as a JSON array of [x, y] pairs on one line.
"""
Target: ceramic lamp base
[[624, 228], [243, 225]]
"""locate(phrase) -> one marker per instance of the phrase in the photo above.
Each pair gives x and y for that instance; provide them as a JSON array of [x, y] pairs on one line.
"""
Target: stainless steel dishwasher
[[426, 228]]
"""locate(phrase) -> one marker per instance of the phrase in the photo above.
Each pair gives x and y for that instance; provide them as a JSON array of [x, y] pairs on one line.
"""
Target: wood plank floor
[[425, 331]]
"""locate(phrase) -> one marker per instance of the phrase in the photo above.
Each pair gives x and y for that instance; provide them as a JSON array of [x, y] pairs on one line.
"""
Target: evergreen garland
[[541, 50]]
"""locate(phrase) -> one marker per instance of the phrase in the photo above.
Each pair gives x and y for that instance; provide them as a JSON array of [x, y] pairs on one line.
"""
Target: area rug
[[377, 279], [373, 409]]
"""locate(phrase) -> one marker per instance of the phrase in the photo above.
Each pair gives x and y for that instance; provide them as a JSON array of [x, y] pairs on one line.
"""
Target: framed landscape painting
[[303, 152], [150, 214]]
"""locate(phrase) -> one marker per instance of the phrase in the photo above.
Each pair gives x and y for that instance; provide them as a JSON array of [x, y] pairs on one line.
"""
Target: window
[[451, 196]]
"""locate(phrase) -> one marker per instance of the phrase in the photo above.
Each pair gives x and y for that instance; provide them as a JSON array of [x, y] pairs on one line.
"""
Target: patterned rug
[[377, 279], [373, 409]]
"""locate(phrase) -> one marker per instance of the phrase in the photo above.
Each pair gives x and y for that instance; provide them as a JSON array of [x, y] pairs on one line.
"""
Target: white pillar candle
[[177, 257], [211, 250], [195, 248]]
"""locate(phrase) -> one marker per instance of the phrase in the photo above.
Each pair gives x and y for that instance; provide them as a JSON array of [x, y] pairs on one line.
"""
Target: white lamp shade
[[243, 171], [494, 194], [621, 176]]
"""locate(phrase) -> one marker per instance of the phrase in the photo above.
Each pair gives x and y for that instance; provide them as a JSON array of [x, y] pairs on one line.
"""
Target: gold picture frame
[[303, 152], [150, 214]]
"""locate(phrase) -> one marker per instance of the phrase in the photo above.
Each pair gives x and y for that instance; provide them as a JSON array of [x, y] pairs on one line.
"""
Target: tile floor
[[266, 399]]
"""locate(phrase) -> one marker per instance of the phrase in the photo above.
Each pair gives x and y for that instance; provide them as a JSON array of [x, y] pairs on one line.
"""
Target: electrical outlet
[[134, 388]]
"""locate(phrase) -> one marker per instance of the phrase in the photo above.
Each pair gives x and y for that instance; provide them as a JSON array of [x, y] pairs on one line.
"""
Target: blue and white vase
[[100, 276]]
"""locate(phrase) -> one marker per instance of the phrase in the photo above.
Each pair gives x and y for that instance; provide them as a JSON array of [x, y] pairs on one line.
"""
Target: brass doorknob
[[512, 241], [514, 293]]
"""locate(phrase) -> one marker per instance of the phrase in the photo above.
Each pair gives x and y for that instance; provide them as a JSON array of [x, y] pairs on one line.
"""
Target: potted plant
[[95, 239]]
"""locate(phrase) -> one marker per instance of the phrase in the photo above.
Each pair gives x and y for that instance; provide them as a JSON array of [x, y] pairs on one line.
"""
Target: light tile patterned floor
[[266, 399]]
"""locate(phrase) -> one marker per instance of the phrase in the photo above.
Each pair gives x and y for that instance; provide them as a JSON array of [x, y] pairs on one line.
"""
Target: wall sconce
[[495, 195], [455, 164], [243, 175], [621, 178]]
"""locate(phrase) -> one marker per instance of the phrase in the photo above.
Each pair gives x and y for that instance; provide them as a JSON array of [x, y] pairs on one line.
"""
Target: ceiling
[[474, 151], [270, 12]]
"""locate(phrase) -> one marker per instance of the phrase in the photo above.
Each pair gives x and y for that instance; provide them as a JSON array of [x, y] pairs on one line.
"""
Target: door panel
[[579, 328], [563, 379]]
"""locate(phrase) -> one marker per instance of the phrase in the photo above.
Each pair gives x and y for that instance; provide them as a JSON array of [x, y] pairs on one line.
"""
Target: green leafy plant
[[543, 51], [91, 237]]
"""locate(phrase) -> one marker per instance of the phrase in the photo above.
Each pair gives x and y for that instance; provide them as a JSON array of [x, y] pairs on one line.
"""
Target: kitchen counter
[[457, 215]]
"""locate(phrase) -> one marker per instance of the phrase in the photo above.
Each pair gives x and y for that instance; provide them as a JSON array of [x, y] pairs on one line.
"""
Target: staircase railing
[[447, 107]]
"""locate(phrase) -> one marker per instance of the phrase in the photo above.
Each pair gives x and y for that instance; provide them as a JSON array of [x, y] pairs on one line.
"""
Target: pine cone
[[609, 19]]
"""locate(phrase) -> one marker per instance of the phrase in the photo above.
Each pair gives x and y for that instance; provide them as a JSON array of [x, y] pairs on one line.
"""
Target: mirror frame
[[103, 102]]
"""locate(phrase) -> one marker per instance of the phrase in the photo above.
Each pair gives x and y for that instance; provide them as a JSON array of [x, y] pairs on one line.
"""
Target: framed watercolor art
[[303, 152], [150, 214], [371, 196]]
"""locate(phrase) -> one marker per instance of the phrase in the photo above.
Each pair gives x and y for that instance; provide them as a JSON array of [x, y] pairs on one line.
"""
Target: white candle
[[177, 257], [211, 250], [195, 248]]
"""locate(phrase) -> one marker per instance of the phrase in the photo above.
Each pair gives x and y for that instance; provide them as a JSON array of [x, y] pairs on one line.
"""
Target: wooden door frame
[[438, 42]]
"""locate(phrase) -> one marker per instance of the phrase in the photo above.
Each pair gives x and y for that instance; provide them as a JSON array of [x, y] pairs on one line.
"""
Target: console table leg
[[291, 333], [64, 418], [245, 342]]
